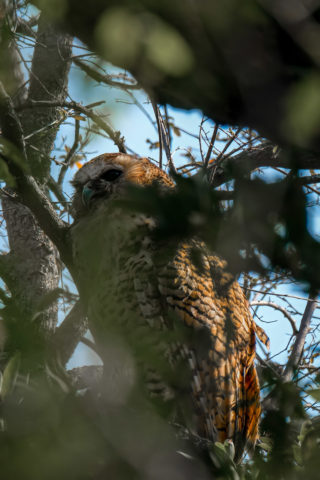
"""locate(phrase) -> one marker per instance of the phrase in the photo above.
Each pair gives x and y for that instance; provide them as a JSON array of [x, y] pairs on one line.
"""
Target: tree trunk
[[34, 264]]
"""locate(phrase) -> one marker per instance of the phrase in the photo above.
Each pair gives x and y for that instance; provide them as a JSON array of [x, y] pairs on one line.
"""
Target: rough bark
[[33, 257], [48, 81], [35, 269]]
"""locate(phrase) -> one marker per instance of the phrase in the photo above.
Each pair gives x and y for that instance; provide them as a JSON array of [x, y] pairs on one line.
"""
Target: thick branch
[[28, 141], [56, 229], [48, 82]]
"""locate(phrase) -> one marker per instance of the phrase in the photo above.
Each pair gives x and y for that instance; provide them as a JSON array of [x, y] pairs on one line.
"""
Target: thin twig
[[156, 114], [71, 152], [168, 125], [163, 135], [310, 300], [114, 135], [57, 191], [212, 142], [267, 364], [266, 154], [104, 78], [281, 309]]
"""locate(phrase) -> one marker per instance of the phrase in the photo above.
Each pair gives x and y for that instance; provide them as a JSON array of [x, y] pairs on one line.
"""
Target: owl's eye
[[111, 175]]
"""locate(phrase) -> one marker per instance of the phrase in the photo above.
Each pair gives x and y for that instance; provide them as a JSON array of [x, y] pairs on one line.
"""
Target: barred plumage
[[128, 275]]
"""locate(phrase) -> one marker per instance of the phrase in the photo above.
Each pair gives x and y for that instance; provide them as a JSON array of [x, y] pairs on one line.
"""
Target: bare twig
[[265, 154], [114, 135], [281, 309], [163, 138], [225, 148], [284, 295], [267, 364], [166, 116], [200, 137], [25, 27], [71, 152], [157, 115], [104, 78], [57, 191], [213, 139]]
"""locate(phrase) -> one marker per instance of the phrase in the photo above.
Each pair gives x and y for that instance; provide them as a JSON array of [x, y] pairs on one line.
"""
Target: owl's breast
[[112, 253]]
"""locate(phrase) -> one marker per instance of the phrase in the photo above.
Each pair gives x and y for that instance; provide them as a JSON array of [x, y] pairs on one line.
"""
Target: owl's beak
[[87, 194]]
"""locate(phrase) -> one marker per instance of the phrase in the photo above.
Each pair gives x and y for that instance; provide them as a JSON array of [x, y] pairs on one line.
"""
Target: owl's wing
[[225, 385]]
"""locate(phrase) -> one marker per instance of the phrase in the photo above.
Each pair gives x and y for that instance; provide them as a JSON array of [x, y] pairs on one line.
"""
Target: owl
[[125, 278]]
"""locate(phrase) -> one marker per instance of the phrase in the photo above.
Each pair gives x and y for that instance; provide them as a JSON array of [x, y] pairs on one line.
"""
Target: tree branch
[[69, 333], [25, 27], [103, 78], [77, 107], [298, 345], [71, 153], [263, 155], [308, 179], [27, 188], [281, 309]]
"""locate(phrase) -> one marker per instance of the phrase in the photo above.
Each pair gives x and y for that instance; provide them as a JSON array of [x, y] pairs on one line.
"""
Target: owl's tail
[[246, 433], [233, 405]]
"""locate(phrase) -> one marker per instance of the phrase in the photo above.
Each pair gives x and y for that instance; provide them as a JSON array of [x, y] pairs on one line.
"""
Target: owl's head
[[108, 175]]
